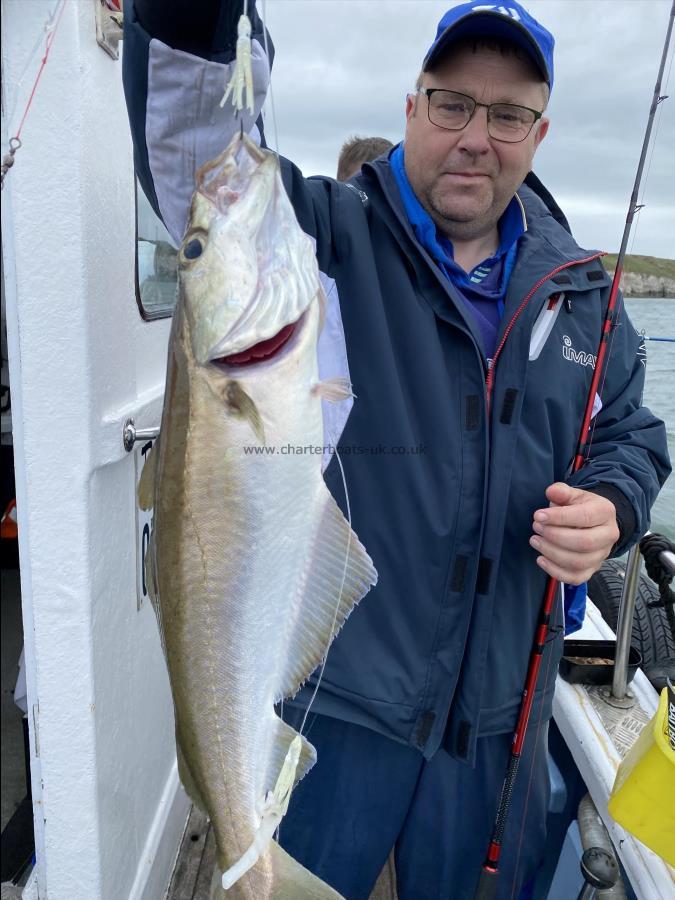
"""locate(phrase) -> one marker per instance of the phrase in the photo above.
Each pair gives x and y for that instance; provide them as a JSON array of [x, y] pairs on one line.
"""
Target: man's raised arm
[[178, 58]]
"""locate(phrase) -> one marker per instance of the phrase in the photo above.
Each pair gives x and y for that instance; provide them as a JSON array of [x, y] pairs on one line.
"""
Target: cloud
[[343, 67]]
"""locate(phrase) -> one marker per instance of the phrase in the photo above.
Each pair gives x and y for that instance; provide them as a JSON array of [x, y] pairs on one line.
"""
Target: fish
[[252, 567]]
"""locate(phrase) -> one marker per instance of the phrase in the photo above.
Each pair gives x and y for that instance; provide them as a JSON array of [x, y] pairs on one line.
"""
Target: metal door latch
[[131, 434]]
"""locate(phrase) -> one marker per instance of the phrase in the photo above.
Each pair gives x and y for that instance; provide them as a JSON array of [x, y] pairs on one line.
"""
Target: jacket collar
[[546, 241]]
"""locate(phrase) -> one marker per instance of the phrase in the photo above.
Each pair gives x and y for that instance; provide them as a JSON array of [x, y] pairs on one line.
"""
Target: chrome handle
[[131, 434]]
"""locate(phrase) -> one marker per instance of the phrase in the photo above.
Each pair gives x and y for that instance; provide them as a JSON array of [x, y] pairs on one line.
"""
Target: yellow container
[[643, 796]]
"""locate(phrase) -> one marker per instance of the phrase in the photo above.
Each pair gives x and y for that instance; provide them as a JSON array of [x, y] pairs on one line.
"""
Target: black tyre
[[651, 632]]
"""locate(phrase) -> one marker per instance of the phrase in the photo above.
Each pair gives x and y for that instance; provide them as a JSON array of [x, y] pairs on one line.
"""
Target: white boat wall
[[109, 811]]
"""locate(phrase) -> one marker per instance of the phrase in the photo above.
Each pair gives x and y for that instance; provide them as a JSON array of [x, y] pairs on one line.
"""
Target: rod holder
[[624, 625]]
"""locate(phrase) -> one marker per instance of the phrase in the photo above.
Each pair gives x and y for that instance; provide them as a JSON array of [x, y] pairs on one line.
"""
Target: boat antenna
[[487, 883]]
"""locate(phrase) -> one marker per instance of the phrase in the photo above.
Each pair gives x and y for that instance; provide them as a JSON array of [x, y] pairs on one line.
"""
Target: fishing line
[[301, 730], [601, 387], [344, 578], [657, 127], [620, 301], [269, 64]]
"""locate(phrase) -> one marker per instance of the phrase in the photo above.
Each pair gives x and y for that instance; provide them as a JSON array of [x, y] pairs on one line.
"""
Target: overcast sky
[[343, 67]]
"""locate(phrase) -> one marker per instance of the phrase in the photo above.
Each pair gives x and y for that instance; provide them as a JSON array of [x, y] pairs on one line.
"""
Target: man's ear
[[410, 105], [542, 131]]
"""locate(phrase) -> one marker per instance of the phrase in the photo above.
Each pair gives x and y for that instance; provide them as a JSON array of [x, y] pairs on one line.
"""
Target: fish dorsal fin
[[339, 574]]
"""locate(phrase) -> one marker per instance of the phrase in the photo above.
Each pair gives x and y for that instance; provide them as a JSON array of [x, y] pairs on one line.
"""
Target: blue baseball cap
[[506, 20]]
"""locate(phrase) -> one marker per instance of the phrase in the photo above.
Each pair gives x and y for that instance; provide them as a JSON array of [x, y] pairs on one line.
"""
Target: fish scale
[[252, 566]]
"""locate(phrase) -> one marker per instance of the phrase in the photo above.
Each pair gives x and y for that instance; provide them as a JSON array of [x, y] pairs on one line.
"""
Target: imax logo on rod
[[584, 359]]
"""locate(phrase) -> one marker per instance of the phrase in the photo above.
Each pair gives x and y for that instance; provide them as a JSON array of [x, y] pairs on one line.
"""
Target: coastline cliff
[[644, 276]]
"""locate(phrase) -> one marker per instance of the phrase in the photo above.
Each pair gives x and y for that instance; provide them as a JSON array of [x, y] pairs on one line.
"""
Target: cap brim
[[488, 24]]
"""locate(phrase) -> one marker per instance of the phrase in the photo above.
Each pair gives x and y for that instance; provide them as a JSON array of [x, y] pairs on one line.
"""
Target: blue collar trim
[[511, 228]]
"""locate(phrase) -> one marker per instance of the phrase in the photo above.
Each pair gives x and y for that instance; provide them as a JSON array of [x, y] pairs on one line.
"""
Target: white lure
[[273, 810], [242, 77]]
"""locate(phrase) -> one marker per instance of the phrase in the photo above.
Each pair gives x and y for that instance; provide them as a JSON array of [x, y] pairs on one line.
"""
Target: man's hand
[[575, 534]]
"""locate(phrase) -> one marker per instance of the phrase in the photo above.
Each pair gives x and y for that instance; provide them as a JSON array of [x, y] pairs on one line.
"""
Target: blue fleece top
[[484, 288]]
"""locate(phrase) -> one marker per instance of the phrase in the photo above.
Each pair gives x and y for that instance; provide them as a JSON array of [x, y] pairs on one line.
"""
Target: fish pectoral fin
[[334, 389], [239, 404], [187, 780], [145, 493]]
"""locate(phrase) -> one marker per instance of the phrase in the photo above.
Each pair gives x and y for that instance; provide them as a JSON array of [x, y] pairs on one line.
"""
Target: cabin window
[[156, 268]]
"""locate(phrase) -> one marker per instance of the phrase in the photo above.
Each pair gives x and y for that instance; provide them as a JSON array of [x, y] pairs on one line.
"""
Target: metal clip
[[131, 434]]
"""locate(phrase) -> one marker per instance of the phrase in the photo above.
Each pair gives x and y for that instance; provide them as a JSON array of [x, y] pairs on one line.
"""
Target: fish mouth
[[262, 351]]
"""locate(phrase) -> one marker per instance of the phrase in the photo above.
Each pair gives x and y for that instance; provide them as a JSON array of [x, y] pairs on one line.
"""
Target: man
[[356, 151], [461, 291]]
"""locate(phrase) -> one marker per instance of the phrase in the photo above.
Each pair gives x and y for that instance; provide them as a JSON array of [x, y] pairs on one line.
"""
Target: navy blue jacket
[[437, 653]]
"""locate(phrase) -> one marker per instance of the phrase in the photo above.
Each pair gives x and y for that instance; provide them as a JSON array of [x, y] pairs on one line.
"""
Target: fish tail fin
[[292, 756], [293, 881], [290, 881]]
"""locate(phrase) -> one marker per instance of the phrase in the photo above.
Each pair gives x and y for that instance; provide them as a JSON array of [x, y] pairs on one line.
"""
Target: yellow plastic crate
[[643, 796]]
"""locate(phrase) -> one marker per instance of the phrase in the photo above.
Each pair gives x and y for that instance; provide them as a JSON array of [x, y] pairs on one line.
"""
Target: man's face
[[465, 179]]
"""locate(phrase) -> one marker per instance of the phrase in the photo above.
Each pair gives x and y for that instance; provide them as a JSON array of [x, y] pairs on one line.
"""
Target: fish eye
[[193, 249], [193, 246]]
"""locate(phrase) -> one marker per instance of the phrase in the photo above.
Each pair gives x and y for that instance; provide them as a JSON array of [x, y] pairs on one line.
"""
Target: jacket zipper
[[492, 363]]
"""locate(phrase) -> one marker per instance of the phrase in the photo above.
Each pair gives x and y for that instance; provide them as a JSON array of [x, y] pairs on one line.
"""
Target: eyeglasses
[[505, 121]]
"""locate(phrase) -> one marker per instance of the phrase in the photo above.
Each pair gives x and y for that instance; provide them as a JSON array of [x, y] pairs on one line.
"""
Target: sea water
[[656, 318]]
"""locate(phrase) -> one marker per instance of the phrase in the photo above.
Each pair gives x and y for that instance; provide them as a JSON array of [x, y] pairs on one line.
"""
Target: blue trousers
[[368, 794]]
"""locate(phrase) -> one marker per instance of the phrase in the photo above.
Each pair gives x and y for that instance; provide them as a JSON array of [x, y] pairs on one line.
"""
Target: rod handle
[[487, 884]]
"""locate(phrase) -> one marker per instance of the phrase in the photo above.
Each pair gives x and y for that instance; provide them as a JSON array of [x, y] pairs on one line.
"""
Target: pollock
[[252, 566]]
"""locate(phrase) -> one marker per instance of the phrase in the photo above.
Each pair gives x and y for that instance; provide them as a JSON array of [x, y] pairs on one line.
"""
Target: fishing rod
[[488, 881]]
